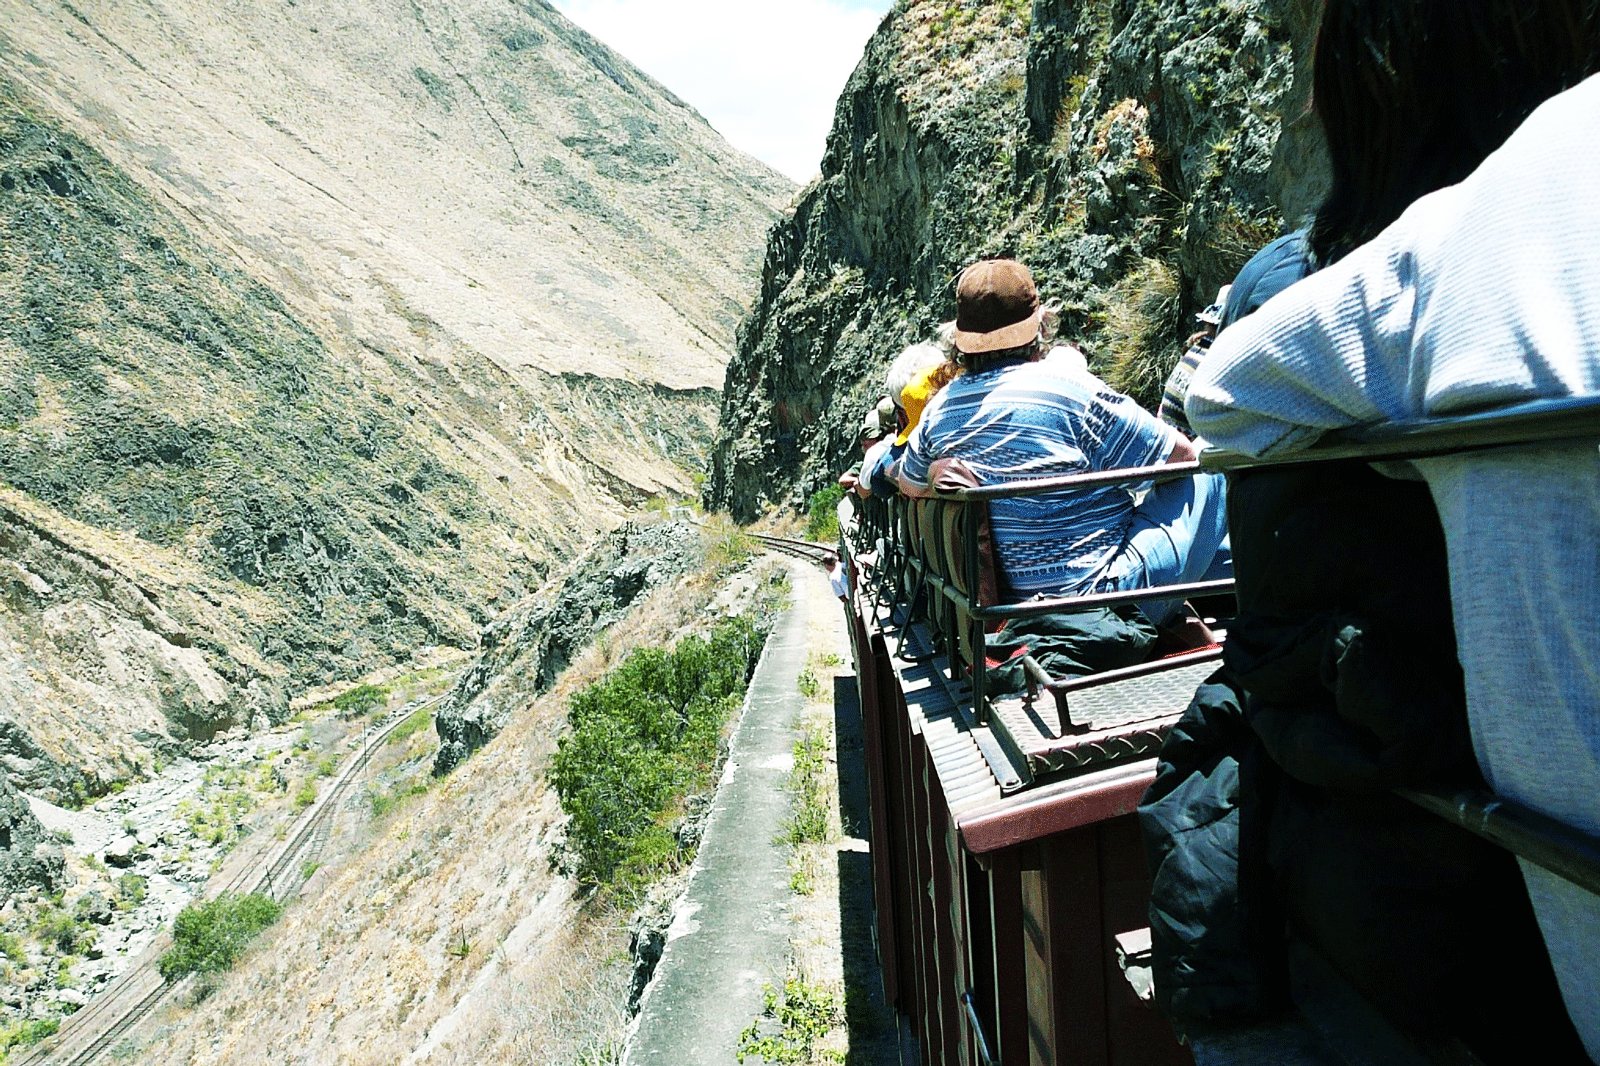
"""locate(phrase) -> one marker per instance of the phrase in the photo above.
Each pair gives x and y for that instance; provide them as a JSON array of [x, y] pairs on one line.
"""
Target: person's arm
[[1330, 352], [917, 490], [1183, 450], [1117, 434]]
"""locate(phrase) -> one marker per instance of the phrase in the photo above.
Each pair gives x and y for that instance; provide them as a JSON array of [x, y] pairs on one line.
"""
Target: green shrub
[[802, 1015], [415, 722], [132, 888], [209, 937], [306, 796], [26, 1033], [61, 929], [808, 822], [727, 546], [822, 515], [382, 802], [642, 739], [360, 700]]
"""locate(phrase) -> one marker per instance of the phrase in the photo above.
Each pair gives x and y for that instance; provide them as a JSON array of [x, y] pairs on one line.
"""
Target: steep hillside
[[1128, 150], [447, 936], [326, 331]]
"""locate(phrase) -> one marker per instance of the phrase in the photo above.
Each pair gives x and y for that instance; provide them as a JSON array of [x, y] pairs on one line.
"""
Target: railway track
[[803, 549], [86, 1035]]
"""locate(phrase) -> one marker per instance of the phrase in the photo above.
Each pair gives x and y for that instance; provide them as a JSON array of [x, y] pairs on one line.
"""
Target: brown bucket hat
[[997, 307]]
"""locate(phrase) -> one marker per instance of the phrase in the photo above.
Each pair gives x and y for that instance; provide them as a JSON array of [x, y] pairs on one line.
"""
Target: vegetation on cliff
[[1129, 152], [326, 359], [147, 385], [210, 936], [642, 740]]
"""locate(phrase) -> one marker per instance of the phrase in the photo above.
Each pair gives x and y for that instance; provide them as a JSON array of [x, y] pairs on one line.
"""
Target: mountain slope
[[325, 331]]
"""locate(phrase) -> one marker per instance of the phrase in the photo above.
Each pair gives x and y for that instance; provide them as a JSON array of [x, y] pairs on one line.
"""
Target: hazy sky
[[766, 73]]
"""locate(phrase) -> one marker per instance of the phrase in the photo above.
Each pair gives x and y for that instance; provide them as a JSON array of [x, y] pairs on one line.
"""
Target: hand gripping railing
[[975, 615], [1563, 850]]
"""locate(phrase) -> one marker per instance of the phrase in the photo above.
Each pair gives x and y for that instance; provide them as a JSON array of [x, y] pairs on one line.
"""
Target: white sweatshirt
[[1481, 295]]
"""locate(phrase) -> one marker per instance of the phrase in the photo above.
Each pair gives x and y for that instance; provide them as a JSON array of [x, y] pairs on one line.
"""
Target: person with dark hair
[[1013, 415], [1412, 95], [1480, 296], [837, 579]]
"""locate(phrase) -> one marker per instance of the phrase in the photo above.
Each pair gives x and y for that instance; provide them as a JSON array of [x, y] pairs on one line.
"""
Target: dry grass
[[1143, 337], [1135, 117], [1238, 237]]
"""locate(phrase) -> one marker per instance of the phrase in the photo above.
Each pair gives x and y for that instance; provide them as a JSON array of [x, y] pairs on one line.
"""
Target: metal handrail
[[985, 1056], [979, 615], [1564, 851], [1533, 422], [1099, 479], [1034, 608]]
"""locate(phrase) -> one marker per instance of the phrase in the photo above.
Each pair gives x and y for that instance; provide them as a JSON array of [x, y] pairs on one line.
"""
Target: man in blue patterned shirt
[[1013, 416]]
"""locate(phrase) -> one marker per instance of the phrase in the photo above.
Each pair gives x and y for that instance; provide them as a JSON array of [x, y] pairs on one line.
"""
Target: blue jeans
[[1179, 534]]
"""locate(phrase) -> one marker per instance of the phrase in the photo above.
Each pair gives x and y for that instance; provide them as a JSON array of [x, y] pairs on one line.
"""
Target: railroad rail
[[802, 549], [89, 1033]]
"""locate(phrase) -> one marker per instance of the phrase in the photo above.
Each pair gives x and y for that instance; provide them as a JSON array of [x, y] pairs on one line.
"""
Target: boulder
[[524, 653], [122, 852], [29, 858]]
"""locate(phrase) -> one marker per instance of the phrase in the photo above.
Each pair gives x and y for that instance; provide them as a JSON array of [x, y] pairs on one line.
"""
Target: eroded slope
[[326, 331]]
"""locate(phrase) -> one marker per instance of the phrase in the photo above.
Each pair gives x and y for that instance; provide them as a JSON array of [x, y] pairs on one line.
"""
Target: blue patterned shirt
[[1022, 420]]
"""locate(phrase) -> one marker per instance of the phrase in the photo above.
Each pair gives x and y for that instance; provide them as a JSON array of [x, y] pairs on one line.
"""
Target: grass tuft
[[791, 1024], [1143, 331]]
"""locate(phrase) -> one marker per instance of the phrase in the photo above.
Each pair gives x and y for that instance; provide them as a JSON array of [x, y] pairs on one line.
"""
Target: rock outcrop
[[1133, 153], [29, 859], [524, 652]]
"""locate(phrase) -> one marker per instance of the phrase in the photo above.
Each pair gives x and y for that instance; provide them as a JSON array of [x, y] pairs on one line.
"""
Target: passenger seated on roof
[[1481, 296], [877, 434], [1013, 416], [915, 374]]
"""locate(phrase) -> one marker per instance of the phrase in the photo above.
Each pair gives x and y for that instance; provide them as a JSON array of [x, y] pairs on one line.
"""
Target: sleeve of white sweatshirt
[[1329, 352], [1481, 295]]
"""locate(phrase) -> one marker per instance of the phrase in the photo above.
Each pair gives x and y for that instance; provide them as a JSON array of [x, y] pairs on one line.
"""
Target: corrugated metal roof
[[1017, 779]]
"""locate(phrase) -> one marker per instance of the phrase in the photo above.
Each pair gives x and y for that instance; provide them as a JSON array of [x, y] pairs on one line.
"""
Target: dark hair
[[1414, 94], [976, 361]]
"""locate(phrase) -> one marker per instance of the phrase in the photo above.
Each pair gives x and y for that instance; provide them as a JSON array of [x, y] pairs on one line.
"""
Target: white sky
[[766, 73]]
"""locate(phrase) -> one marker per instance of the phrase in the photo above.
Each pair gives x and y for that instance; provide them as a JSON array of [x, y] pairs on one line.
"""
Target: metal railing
[[1561, 849], [907, 554]]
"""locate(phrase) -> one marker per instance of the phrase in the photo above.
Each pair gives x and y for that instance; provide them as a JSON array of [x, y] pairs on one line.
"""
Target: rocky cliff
[[1133, 152], [326, 332], [526, 649]]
